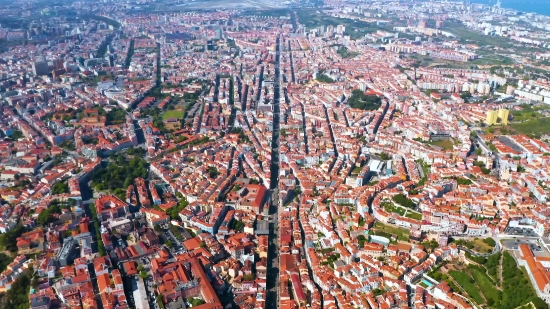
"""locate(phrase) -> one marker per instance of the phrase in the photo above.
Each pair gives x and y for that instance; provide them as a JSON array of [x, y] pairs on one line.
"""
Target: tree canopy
[[116, 116], [402, 200], [359, 99], [119, 173], [60, 188], [5, 260], [8, 240], [323, 78], [46, 215], [174, 211], [18, 294]]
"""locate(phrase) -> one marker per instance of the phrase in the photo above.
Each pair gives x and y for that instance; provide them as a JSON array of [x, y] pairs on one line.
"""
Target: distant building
[[154, 217], [40, 302], [58, 64], [380, 240], [443, 240], [536, 271], [415, 235], [110, 207], [40, 68], [262, 227], [66, 255]]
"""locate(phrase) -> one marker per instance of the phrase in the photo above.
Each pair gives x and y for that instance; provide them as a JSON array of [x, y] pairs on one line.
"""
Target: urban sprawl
[[336, 154]]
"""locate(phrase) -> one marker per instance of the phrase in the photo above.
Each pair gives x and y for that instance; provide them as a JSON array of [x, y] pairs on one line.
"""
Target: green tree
[[5, 260], [360, 100], [174, 212], [213, 172], [18, 294], [35, 281], [195, 301], [323, 78], [384, 156], [402, 200], [46, 216], [463, 181], [361, 240], [100, 245], [539, 303], [491, 242], [60, 188], [160, 301]]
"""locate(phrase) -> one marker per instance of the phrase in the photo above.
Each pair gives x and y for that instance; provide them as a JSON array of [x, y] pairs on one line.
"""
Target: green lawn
[[400, 210], [172, 114], [486, 286], [493, 60], [467, 283], [446, 144], [481, 246], [535, 127], [425, 169], [475, 37], [529, 112], [390, 207], [386, 231], [477, 245], [516, 292], [525, 115], [312, 19], [356, 170], [413, 215]]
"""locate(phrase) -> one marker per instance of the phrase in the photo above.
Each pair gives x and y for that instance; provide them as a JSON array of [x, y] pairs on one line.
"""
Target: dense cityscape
[[299, 154]]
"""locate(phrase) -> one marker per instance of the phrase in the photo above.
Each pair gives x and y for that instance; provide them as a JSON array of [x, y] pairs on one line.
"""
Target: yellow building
[[503, 116], [497, 116], [492, 117]]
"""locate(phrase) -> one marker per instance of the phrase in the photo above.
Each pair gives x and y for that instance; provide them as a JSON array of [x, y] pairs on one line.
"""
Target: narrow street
[[260, 81], [310, 271], [272, 298], [330, 130], [139, 133]]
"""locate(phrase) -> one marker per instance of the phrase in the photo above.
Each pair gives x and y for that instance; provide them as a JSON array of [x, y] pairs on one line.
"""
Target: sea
[[531, 6]]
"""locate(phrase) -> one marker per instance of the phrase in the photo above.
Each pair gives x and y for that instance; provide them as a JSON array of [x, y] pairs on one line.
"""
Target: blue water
[[428, 283], [532, 6]]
